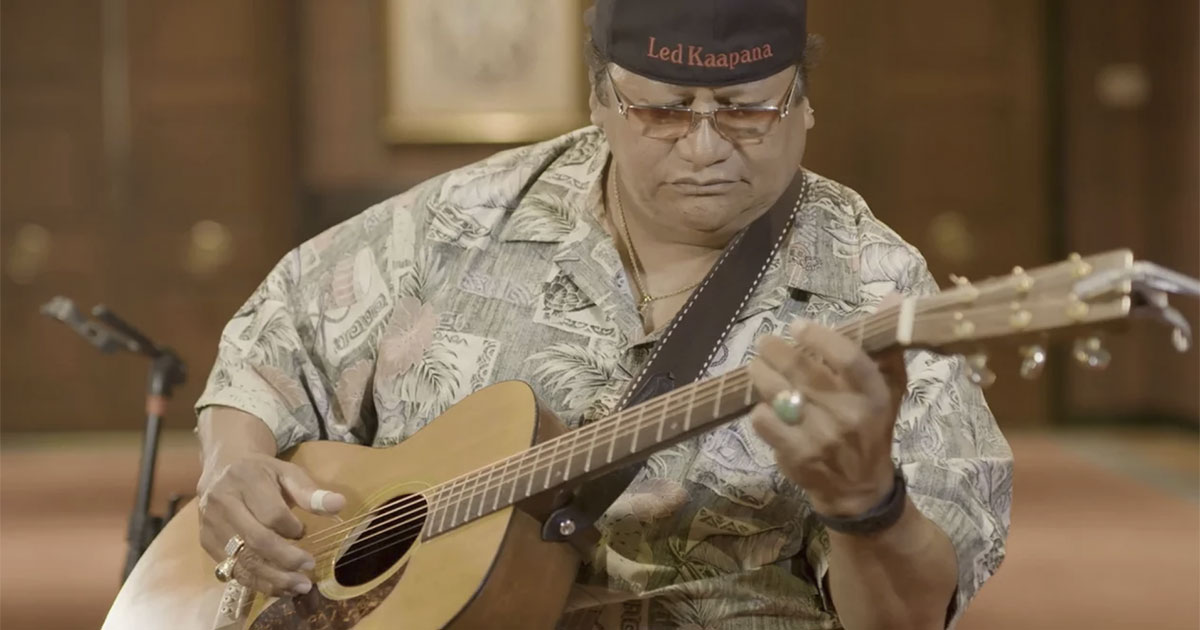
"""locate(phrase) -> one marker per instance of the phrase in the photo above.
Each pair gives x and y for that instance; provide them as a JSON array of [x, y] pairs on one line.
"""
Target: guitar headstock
[[1080, 296]]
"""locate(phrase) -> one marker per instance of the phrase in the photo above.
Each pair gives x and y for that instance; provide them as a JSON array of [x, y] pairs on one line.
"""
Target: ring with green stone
[[788, 404]]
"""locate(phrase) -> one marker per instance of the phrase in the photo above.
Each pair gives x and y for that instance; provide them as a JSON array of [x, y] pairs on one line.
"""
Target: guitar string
[[446, 488], [441, 494], [618, 431], [416, 521], [441, 502]]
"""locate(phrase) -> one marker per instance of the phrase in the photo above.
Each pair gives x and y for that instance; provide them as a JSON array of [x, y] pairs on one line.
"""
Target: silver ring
[[234, 546], [224, 569], [788, 404]]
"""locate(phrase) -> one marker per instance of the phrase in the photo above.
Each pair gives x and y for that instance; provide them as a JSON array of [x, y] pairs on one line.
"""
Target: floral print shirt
[[501, 270]]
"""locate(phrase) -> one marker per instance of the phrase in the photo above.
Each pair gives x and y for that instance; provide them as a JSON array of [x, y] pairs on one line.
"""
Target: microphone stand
[[110, 334]]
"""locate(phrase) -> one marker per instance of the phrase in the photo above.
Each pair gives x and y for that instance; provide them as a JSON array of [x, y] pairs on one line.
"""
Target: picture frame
[[493, 71]]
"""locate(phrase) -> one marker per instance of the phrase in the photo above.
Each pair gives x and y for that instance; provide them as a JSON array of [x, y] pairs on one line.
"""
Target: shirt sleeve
[[300, 353], [957, 463]]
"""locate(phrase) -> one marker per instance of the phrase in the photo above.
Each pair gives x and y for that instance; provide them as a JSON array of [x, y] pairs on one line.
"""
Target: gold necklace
[[647, 299]]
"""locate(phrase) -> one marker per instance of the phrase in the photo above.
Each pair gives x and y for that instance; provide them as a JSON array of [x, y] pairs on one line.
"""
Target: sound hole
[[388, 536]]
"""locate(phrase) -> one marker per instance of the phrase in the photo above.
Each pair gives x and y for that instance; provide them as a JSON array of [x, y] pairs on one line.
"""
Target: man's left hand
[[839, 449]]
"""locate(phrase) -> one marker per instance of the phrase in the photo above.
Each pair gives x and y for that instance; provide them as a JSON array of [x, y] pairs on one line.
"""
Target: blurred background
[[159, 156]]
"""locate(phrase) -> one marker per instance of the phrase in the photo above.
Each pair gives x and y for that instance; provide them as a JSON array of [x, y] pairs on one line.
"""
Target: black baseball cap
[[701, 42]]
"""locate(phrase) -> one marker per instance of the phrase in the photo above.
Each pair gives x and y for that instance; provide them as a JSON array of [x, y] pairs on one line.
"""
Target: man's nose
[[704, 145]]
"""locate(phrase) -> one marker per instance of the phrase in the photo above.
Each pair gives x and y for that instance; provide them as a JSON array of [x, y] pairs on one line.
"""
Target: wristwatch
[[878, 518]]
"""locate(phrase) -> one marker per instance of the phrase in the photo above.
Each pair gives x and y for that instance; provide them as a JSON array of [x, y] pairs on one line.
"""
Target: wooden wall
[[936, 111], [148, 150], [1130, 167]]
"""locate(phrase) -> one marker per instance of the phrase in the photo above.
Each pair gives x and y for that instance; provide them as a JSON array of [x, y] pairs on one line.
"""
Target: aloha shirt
[[501, 270]]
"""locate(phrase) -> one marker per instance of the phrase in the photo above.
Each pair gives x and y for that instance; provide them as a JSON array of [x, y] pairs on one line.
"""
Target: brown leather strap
[[688, 346]]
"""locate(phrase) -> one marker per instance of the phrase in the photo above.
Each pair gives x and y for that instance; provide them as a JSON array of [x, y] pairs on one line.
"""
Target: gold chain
[[647, 299]]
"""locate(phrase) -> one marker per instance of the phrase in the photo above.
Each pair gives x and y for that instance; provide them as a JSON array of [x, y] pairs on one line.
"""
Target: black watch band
[[882, 516]]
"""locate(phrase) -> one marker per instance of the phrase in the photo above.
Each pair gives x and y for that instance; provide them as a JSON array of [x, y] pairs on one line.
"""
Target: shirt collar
[[567, 189]]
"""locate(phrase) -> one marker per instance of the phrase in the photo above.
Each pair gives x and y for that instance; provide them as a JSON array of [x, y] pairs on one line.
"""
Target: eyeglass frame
[[783, 109]]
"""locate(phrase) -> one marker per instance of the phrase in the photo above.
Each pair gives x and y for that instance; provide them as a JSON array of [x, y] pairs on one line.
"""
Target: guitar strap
[[685, 351]]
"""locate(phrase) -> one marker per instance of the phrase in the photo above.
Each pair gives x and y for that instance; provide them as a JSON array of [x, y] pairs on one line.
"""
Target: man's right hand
[[252, 497]]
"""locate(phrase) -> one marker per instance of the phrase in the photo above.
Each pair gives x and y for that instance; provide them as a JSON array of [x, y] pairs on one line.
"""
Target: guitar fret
[[662, 418], [537, 453], [469, 494], [613, 442], [550, 466], [446, 511], [440, 501], [457, 501], [570, 454], [512, 493], [716, 412], [483, 492], [503, 480], [587, 465], [637, 428], [687, 418]]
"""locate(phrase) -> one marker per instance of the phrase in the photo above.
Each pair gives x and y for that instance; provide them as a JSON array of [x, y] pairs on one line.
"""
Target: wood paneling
[[51, 177], [210, 138], [935, 111], [346, 159], [1130, 170]]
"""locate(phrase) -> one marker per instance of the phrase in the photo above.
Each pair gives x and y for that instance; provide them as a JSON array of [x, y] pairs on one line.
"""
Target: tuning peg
[[978, 371], [1180, 339], [1079, 266], [1090, 352], [1033, 360]]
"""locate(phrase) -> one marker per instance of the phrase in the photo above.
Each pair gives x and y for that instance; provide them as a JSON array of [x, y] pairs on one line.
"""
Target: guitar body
[[492, 571]]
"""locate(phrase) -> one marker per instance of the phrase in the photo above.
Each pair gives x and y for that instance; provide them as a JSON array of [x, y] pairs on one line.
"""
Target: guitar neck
[[1074, 294], [623, 438]]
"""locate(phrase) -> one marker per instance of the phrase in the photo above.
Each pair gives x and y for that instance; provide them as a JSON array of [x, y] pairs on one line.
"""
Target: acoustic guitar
[[429, 540]]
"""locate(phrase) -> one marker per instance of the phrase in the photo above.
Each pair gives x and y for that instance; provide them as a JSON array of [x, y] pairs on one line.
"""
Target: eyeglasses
[[735, 122]]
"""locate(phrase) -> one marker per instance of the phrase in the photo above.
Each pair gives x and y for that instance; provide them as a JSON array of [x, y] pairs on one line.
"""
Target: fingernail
[[307, 565], [302, 588], [317, 501]]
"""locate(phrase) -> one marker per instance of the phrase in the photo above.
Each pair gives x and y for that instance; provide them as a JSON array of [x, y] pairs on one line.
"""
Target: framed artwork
[[483, 70]]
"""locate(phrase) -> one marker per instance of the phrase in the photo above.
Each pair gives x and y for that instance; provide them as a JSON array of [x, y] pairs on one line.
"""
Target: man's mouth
[[692, 186]]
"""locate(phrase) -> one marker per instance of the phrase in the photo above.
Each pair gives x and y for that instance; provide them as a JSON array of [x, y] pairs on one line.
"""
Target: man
[[560, 264]]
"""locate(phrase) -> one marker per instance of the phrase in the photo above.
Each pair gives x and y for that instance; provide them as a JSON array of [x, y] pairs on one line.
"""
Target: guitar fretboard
[[589, 451]]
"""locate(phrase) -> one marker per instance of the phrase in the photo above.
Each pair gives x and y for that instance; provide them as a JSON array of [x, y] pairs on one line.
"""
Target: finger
[[213, 540], [767, 382], [268, 545], [251, 571], [216, 528], [268, 507], [796, 363], [771, 429], [796, 446], [305, 494], [843, 356]]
